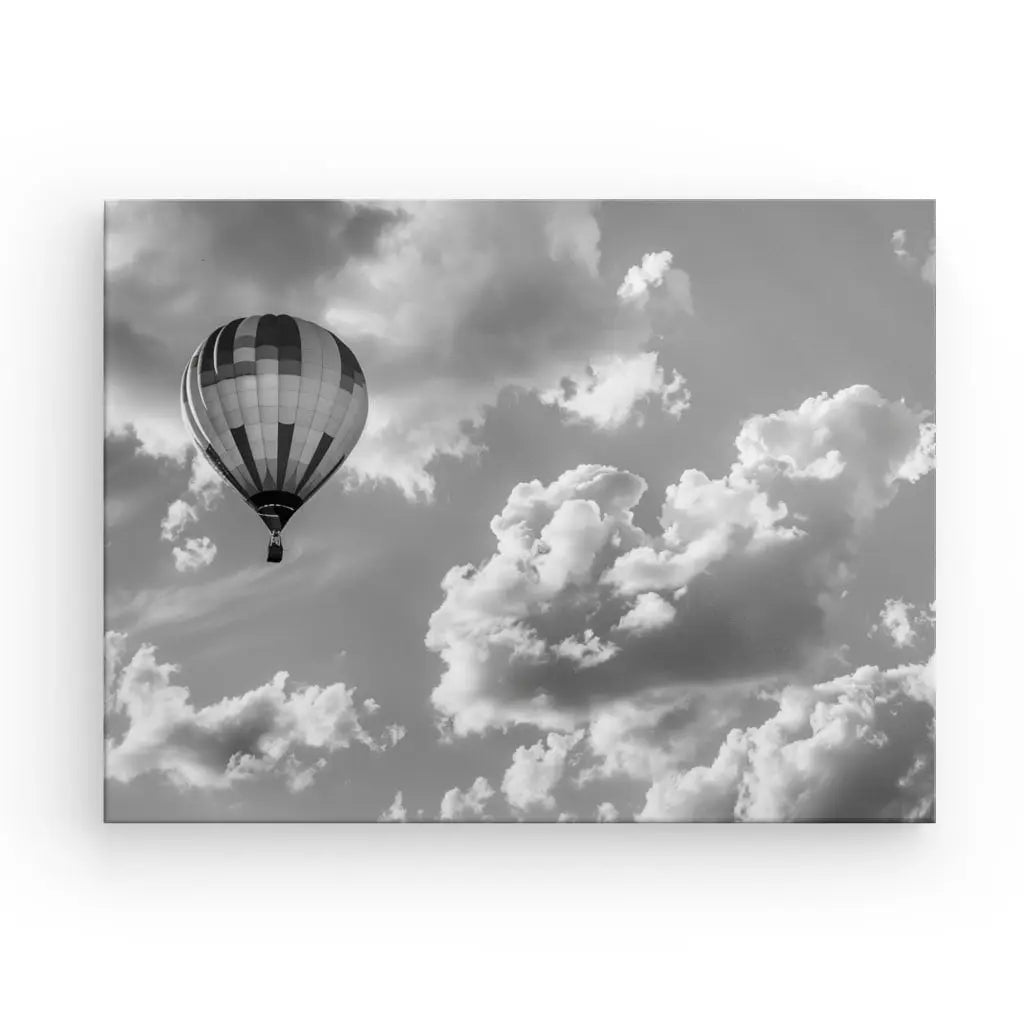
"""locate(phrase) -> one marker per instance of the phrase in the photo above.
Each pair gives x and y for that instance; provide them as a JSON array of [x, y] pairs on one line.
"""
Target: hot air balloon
[[276, 404]]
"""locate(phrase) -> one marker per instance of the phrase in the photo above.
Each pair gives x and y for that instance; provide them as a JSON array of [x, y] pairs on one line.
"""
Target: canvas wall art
[[571, 512]]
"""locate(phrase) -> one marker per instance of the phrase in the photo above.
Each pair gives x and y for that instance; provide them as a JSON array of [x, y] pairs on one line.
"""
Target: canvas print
[[520, 511]]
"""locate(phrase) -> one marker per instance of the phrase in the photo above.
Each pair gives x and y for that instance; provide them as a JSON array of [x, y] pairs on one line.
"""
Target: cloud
[[141, 384], [573, 233], [898, 241], [393, 734], [446, 304], [611, 392], [750, 564], [896, 621], [857, 747], [606, 812], [396, 812], [276, 729], [115, 645], [456, 803], [298, 776], [586, 652], [180, 514], [536, 770], [646, 735], [902, 622], [205, 486], [196, 553], [650, 612], [177, 270], [468, 300], [923, 266], [180, 256], [654, 272], [928, 266]]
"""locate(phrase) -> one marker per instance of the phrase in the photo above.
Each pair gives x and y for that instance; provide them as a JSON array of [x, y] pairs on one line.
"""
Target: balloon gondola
[[276, 404]]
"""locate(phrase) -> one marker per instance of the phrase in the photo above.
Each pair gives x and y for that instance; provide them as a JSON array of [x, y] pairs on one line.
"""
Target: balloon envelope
[[276, 404]]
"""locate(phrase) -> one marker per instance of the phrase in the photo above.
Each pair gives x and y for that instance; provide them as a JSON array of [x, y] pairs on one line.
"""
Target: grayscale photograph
[[519, 511]]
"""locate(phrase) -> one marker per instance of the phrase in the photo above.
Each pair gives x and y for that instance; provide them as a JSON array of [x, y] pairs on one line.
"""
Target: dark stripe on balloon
[[321, 451], [242, 441], [206, 363], [266, 337], [206, 352], [224, 347], [291, 341], [284, 450], [349, 363], [278, 335]]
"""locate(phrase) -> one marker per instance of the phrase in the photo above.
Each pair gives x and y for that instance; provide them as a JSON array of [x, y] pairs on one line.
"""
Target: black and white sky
[[641, 526]]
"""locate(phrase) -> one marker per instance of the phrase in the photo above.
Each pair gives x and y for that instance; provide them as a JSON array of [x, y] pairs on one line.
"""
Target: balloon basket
[[275, 550]]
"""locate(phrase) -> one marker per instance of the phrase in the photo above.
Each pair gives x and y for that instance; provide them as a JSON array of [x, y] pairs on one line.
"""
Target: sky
[[641, 526]]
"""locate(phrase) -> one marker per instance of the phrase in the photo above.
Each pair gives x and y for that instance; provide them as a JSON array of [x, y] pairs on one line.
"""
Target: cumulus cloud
[[655, 271], [612, 392], [457, 803], [650, 612], [396, 812], [586, 652], [276, 729], [749, 564], [180, 515], [196, 553], [903, 622], [857, 747], [606, 812], [536, 770]]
